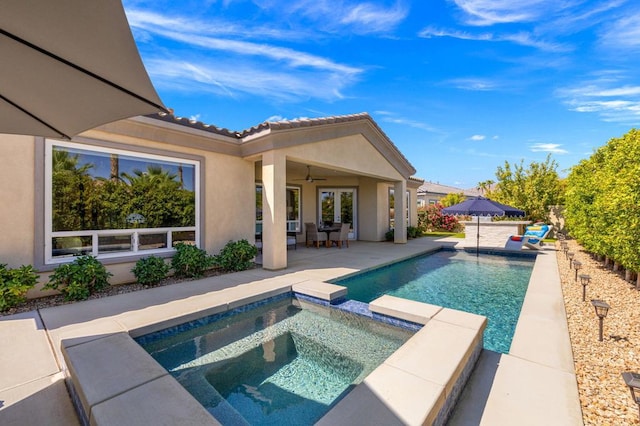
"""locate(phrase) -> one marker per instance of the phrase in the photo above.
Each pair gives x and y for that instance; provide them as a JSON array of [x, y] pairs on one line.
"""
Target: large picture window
[[109, 202]]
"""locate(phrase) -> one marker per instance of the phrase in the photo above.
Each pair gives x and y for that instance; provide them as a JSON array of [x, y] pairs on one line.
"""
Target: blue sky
[[460, 86]]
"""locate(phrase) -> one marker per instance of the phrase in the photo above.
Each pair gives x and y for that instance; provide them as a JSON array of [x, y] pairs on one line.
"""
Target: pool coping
[[127, 373], [535, 383]]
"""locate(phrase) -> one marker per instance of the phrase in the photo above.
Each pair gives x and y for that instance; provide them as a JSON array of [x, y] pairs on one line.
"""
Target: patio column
[[274, 223], [400, 208]]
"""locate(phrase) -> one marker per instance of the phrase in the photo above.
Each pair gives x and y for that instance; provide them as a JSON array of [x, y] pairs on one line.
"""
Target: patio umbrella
[[480, 206], [69, 66]]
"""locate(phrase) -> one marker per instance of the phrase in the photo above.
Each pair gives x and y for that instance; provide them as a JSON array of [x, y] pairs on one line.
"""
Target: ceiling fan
[[310, 178]]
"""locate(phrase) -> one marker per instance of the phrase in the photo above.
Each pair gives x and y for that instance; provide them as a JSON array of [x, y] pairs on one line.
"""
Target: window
[[293, 209], [109, 203]]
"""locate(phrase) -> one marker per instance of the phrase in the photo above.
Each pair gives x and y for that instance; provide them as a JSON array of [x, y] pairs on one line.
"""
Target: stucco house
[[432, 192], [99, 193]]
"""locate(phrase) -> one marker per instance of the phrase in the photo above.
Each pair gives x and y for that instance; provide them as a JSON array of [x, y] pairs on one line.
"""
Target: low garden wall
[[492, 234]]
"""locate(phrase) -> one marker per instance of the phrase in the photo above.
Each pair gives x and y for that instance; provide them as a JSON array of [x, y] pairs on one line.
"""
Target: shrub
[[150, 270], [431, 218], [80, 279], [236, 256], [190, 261], [413, 232], [14, 284]]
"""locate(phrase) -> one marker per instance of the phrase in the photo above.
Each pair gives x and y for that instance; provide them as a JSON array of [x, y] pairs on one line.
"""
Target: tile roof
[[276, 125], [308, 122], [171, 118], [436, 188]]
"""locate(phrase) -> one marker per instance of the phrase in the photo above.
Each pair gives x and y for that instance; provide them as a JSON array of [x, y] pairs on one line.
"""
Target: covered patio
[[325, 171]]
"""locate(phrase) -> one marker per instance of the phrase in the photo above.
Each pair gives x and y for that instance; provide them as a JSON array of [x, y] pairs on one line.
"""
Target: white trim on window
[[134, 235]]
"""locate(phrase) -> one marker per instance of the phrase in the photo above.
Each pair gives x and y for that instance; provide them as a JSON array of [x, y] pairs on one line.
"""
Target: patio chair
[[258, 243], [292, 240], [342, 235], [313, 235], [532, 237]]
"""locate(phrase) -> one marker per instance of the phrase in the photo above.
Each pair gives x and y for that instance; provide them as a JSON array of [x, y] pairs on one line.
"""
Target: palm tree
[[154, 173], [485, 186], [115, 167], [71, 184]]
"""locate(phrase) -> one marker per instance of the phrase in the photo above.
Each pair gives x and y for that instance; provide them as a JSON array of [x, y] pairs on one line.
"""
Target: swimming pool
[[287, 361], [493, 285]]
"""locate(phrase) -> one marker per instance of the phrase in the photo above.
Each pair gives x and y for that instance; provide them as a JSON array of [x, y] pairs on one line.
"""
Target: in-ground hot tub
[[284, 362], [113, 380]]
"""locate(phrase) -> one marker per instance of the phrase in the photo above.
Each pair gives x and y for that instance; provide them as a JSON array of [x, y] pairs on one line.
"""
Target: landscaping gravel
[[604, 396]]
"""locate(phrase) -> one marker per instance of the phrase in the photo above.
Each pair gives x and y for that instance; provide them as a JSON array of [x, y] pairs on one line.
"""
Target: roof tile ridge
[[189, 122]]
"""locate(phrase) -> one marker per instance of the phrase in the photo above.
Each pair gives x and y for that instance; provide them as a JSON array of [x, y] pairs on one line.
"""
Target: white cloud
[[275, 118], [607, 96], [245, 66], [579, 16], [622, 34], [478, 137], [489, 12], [553, 148], [232, 79], [145, 24], [291, 57], [473, 84], [338, 16], [521, 38], [389, 117], [372, 18]]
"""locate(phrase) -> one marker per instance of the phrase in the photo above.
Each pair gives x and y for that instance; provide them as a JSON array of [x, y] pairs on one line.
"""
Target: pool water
[[285, 362], [489, 285]]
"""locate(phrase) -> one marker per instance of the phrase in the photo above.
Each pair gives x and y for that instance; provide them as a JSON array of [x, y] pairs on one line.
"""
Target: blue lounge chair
[[532, 238]]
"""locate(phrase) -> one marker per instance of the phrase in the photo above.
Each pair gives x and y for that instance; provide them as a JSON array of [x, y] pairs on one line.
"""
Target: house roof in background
[[438, 189]]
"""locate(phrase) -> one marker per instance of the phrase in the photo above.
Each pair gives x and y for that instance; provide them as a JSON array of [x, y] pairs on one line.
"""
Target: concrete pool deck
[[534, 384]]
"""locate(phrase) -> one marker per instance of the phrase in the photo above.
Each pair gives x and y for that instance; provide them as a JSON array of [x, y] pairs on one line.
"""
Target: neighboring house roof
[[245, 137], [474, 192], [438, 189]]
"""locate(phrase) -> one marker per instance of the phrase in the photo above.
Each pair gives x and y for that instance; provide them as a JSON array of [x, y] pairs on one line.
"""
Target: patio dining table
[[329, 230]]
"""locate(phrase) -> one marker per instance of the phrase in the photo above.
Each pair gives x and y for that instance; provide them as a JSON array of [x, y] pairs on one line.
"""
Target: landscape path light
[[564, 247], [633, 381], [584, 280], [602, 308], [576, 265], [570, 256]]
